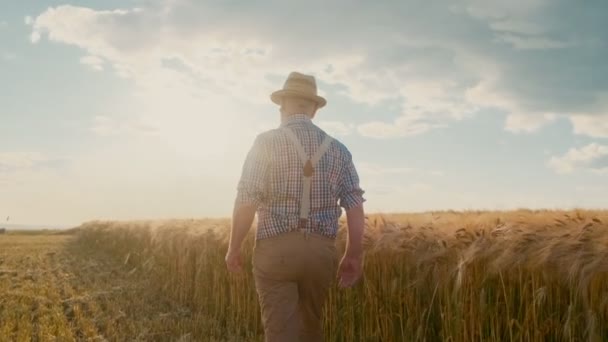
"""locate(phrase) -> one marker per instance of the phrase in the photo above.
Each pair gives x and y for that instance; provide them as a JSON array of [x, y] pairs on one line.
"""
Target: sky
[[145, 109]]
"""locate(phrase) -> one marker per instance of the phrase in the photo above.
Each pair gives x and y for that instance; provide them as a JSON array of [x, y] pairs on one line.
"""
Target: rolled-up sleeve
[[251, 189], [350, 193]]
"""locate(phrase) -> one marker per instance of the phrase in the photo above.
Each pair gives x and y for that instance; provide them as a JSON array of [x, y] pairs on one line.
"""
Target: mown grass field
[[476, 276], [51, 289]]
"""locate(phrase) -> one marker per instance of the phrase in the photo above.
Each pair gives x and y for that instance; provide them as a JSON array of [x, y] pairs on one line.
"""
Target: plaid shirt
[[272, 181]]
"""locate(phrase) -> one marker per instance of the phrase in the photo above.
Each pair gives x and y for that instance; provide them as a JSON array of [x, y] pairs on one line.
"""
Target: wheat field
[[442, 276]]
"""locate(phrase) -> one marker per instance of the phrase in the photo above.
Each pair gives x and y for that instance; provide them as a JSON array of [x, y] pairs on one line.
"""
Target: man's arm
[[242, 218], [351, 198], [251, 192], [351, 265], [355, 218]]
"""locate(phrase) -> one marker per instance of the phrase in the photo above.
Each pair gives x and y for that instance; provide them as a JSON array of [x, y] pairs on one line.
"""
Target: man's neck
[[285, 118]]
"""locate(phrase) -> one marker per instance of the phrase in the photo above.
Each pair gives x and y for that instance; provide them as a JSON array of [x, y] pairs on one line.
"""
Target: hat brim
[[279, 94]]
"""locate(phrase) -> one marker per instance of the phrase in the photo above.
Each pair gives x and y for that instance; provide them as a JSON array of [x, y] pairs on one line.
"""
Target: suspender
[[309, 165]]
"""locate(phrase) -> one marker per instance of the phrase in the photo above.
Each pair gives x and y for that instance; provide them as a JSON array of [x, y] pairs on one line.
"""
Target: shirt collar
[[295, 119]]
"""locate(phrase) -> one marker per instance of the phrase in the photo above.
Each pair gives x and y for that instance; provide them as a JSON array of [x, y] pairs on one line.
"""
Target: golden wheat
[[491, 276]]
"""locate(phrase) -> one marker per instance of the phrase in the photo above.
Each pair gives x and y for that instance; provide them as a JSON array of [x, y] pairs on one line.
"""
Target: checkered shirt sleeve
[[350, 193], [251, 189]]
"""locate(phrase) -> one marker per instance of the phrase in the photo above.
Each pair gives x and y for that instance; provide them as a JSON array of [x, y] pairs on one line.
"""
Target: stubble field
[[475, 276], [51, 289]]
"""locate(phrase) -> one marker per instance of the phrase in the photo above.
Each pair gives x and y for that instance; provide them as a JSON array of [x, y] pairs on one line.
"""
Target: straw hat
[[299, 85]]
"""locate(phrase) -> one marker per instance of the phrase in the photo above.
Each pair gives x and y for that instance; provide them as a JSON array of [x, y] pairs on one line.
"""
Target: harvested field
[[53, 290]]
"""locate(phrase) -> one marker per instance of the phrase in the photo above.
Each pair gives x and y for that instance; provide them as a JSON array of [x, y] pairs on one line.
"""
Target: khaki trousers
[[293, 273]]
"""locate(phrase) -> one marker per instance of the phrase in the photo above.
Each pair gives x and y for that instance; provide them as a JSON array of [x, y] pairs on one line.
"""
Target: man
[[297, 177]]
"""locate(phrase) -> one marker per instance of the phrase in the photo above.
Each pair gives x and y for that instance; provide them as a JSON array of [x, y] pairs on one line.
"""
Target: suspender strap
[[294, 139], [322, 150], [308, 170]]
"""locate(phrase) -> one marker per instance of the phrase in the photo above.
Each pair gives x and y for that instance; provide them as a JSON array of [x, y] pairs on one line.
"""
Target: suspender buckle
[[308, 169], [302, 223]]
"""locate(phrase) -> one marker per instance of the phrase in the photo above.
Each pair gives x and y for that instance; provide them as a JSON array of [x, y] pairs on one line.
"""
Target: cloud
[[518, 123], [410, 196], [546, 82], [402, 127], [3, 24], [106, 126], [516, 26], [93, 62], [375, 170], [591, 125], [532, 43], [378, 129], [498, 10], [593, 157], [19, 160], [11, 162], [35, 37], [593, 122], [380, 173], [337, 128], [420, 187], [523, 33], [529, 59]]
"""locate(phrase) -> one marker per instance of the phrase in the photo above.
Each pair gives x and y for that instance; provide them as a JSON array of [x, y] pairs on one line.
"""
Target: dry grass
[[476, 276], [491, 276], [51, 289]]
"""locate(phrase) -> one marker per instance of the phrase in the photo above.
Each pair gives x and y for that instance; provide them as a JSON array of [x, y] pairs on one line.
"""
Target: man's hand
[[350, 270], [351, 266], [241, 223], [234, 261]]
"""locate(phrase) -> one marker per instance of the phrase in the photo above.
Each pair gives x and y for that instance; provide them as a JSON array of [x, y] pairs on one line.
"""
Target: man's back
[[273, 173]]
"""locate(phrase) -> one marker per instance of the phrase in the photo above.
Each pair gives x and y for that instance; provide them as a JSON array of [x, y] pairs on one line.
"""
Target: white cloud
[[420, 187], [524, 34], [533, 43], [20, 160], [106, 126], [498, 9], [93, 62], [593, 157], [411, 197], [378, 172], [591, 125], [402, 127], [35, 37], [374, 170], [437, 73], [16, 167], [382, 130], [594, 121], [518, 123], [518, 119], [28, 20], [385, 130], [336, 128], [240, 63], [517, 26]]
